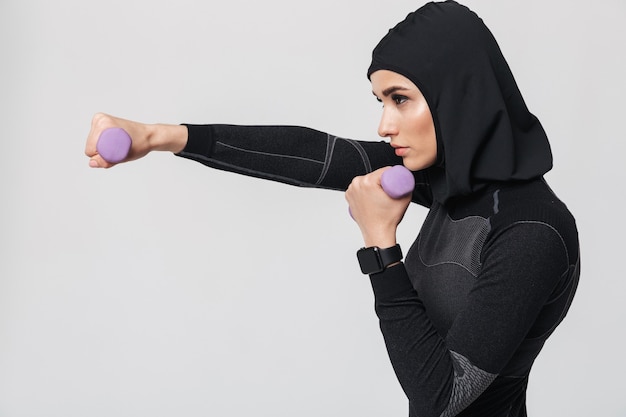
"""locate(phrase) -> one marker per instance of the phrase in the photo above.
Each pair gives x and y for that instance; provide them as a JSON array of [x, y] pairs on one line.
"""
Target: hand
[[377, 214], [145, 138]]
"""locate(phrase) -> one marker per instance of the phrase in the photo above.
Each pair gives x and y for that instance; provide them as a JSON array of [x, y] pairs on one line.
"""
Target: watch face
[[369, 259]]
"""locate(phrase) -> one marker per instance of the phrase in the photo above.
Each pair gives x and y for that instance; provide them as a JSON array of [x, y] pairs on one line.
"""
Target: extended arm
[[293, 155]]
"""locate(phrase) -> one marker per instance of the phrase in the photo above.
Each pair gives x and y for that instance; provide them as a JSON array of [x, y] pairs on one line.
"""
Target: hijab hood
[[485, 132]]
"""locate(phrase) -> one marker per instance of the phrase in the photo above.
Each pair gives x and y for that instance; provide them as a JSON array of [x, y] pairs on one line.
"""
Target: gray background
[[165, 288]]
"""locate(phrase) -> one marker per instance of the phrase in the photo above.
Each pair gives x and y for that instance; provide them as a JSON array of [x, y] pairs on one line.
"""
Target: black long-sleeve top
[[488, 279]]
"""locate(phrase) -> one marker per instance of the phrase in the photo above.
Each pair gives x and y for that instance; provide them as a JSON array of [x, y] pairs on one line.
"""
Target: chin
[[414, 165]]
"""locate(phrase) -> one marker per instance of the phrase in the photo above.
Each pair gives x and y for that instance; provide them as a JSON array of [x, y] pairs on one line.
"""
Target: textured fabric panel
[[469, 382], [457, 242]]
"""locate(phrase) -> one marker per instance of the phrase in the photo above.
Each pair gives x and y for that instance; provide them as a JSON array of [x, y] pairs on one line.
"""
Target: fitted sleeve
[[522, 293], [293, 155]]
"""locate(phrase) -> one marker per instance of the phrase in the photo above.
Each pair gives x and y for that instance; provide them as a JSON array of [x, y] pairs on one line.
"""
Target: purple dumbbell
[[397, 181], [114, 144]]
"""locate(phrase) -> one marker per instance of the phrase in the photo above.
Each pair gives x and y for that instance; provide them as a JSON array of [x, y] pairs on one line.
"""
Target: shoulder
[[533, 217]]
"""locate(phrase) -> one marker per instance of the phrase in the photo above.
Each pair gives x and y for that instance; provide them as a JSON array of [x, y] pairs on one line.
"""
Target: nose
[[387, 126]]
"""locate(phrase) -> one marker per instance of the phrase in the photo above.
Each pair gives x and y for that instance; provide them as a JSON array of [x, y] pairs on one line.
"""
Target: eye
[[399, 99]]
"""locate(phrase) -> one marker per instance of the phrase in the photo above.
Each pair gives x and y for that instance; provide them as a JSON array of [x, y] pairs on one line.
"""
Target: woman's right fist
[[139, 133]]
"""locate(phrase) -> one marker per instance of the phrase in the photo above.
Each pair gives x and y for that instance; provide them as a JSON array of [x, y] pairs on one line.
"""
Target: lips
[[400, 150]]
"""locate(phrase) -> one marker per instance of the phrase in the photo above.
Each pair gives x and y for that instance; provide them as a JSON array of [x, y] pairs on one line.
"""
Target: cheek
[[426, 119], [425, 131]]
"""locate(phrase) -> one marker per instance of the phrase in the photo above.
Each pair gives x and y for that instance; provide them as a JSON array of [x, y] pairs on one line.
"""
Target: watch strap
[[390, 255], [374, 260]]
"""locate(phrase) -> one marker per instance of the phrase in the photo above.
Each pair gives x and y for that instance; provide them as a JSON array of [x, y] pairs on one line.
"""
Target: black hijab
[[485, 132]]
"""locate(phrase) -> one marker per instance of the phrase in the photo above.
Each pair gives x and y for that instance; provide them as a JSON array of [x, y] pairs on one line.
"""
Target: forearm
[[418, 354], [289, 154]]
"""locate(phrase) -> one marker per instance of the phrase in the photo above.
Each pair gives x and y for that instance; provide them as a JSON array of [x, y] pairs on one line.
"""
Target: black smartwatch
[[374, 259]]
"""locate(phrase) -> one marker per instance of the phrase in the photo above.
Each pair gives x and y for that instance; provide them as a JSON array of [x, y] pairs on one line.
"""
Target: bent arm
[[519, 298]]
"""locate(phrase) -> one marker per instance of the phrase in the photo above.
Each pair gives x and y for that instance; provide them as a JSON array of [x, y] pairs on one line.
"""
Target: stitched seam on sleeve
[[268, 153], [330, 147], [555, 231], [364, 157], [252, 172]]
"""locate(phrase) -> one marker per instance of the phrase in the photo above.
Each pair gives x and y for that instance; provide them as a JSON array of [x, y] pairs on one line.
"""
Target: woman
[[496, 263]]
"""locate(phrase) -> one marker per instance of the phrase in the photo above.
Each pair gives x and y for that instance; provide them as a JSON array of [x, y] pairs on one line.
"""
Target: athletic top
[[489, 277]]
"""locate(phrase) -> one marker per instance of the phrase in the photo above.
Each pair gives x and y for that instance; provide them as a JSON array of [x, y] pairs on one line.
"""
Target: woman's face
[[406, 119]]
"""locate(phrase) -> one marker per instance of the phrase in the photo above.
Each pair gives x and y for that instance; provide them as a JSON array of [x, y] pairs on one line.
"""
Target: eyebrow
[[390, 90]]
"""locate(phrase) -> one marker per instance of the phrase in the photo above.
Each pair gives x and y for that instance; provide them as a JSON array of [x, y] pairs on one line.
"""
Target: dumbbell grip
[[114, 145], [397, 181]]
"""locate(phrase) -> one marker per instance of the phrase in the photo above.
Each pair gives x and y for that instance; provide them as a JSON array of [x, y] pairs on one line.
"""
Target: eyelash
[[396, 98]]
